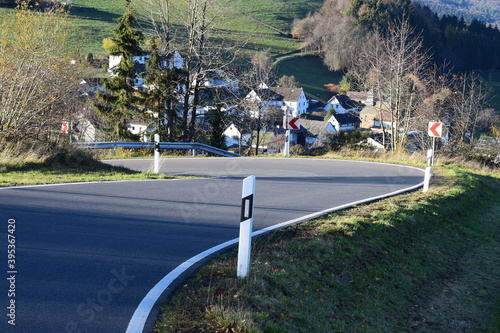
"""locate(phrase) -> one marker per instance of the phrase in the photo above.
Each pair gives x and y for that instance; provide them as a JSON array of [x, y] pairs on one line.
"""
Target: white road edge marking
[[141, 314], [88, 183]]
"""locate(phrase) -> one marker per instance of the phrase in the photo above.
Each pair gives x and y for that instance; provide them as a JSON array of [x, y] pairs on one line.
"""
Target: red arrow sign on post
[[294, 123], [435, 129], [77, 127], [64, 127]]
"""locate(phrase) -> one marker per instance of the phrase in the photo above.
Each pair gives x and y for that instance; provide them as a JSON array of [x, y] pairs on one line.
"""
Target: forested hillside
[[487, 11], [461, 44]]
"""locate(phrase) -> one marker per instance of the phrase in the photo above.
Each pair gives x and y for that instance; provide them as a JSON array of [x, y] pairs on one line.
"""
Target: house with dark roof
[[315, 132], [343, 122], [293, 99], [343, 104], [312, 134], [220, 79]]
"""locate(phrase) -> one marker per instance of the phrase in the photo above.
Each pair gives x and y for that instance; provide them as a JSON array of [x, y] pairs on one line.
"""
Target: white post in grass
[[157, 154], [427, 177], [287, 143], [246, 226]]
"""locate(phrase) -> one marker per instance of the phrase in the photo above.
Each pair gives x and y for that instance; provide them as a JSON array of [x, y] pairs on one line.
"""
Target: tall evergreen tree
[[119, 101], [162, 80], [218, 121]]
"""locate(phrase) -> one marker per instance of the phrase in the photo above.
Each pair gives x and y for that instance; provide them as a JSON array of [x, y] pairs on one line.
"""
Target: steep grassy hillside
[[418, 262]]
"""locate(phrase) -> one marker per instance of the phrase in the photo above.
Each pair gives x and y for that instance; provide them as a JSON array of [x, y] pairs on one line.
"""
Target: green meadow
[[266, 23], [311, 73]]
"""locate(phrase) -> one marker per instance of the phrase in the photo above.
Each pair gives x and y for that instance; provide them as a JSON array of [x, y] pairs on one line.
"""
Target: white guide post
[[433, 150], [246, 226], [157, 154], [427, 177], [287, 142]]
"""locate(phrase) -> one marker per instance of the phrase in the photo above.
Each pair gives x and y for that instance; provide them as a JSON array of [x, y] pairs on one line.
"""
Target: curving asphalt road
[[87, 254]]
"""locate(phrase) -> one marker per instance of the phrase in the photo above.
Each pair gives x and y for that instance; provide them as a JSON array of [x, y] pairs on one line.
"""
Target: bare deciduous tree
[[196, 39], [258, 112], [38, 82], [331, 33], [395, 65], [467, 110]]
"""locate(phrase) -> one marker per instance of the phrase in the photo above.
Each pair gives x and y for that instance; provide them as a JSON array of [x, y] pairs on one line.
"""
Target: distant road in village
[[88, 253]]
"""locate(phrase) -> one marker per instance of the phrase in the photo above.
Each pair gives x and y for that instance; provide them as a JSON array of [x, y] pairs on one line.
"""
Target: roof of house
[[377, 110], [276, 141], [280, 94], [91, 81], [359, 96], [346, 102], [315, 128], [346, 118]]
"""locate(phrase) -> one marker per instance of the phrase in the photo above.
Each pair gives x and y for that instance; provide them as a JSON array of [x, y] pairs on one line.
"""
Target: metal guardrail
[[163, 145]]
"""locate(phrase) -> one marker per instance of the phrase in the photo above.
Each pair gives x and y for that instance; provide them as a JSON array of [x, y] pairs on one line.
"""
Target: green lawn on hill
[[267, 21]]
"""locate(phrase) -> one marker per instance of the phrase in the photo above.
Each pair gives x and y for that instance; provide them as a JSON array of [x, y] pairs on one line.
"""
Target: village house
[[235, 138], [219, 79], [365, 98], [88, 86], [343, 104], [343, 122], [140, 65], [375, 117], [139, 128], [314, 133], [293, 100]]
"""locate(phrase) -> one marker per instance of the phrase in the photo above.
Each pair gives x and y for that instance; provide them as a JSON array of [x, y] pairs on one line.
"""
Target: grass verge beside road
[[419, 262], [63, 168]]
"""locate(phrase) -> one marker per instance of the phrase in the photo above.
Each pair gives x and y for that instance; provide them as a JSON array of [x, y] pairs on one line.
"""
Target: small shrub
[[72, 158], [297, 150], [351, 139]]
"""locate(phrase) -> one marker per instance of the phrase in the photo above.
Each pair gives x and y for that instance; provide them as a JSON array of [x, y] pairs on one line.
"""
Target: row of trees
[[392, 60], [416, 91], [173, 93]]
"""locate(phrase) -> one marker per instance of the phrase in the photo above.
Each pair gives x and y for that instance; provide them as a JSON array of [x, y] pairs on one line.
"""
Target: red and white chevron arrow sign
[[435, 129], [64, 127], [294, 123], [77, 127]]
